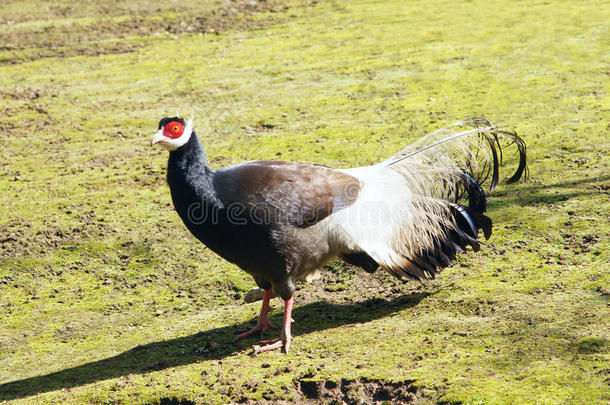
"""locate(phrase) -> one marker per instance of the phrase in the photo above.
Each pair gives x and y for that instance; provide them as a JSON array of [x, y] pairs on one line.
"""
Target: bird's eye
[[173, 130]]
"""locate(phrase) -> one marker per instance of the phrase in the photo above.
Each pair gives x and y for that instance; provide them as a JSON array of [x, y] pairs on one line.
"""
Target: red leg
[[263, 323], [286, 337]]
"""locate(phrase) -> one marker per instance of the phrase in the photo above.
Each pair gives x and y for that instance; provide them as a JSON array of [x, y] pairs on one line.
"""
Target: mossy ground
[[106, 298]]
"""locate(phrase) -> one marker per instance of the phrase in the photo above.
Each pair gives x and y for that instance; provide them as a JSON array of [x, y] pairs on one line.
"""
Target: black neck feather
[[189, 176]]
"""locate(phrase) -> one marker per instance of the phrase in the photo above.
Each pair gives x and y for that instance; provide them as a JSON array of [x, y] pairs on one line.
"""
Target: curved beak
[[157, 138]]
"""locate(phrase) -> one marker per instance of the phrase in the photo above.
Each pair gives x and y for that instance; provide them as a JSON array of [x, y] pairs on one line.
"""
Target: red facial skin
[[173, 130]]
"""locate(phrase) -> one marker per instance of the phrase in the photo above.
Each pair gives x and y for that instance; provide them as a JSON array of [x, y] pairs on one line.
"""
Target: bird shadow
[[536, 194], [205, 345]]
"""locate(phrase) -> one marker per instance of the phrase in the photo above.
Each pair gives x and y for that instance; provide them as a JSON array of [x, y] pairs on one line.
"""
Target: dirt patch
[[341, 282], [580, 244], [39, 121], [20, 239], [29, 93], [175, 401], [360, 391], [104, 35], [308, 390]]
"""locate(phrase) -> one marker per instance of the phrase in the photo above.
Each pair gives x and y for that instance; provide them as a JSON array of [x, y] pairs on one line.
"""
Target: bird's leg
[[286, 337], [263, 323]]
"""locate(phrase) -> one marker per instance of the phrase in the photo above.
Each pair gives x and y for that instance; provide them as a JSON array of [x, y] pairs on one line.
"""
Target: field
[[106, 298]]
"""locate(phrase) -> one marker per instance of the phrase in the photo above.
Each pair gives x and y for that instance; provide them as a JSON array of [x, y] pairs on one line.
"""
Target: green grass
[[106, 298]]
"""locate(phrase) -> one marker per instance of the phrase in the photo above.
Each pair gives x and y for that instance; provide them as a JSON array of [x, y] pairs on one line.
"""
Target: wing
[[300, 194]]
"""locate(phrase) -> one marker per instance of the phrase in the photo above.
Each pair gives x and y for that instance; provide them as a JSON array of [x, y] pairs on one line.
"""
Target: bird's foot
[[258, 328], [269, 345]]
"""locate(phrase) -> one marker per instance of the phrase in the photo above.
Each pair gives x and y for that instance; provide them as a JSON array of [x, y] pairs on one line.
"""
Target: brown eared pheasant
[[282, 221]]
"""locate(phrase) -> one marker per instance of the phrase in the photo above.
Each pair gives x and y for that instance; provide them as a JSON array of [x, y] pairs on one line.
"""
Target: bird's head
[[173, 133]]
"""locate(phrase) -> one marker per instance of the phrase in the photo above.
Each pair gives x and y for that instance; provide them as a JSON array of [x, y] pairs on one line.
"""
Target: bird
[[281, 221]]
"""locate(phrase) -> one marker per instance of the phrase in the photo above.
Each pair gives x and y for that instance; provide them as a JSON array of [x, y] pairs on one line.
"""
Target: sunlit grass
[[95, 262]]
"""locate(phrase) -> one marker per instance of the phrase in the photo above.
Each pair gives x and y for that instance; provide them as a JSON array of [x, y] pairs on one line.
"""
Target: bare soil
[[105, 34]]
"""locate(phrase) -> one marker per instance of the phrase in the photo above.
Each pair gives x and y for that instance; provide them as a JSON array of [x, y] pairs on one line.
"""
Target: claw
[[278, 344], [262, 324], [268, 345], [258, 328]]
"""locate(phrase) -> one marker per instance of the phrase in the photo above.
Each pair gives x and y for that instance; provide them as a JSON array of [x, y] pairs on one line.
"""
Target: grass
[[106, 298]]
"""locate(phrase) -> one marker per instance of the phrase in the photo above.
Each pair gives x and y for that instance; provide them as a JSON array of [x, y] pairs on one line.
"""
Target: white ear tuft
[[189, 127]]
